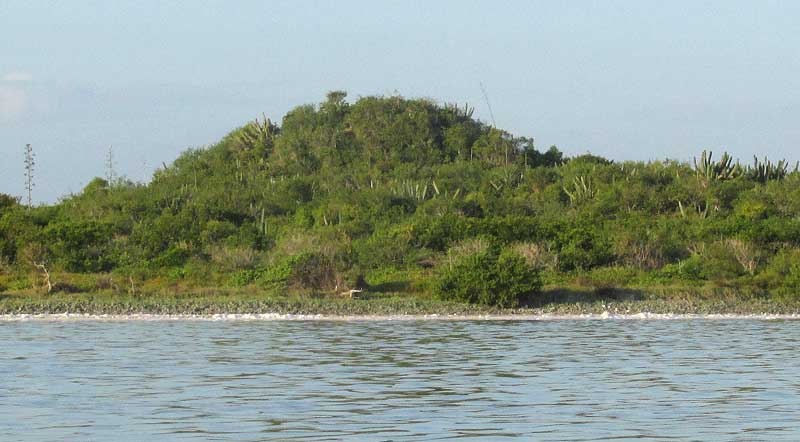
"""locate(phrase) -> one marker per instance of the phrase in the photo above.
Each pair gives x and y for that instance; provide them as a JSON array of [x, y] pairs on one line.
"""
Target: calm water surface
[[576, 380]]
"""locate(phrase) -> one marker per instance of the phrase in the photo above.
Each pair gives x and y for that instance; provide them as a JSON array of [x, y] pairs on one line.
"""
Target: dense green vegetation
[[410, 197]]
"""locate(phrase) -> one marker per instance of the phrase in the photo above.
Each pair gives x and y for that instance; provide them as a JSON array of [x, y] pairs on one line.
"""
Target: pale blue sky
[[624, 79]]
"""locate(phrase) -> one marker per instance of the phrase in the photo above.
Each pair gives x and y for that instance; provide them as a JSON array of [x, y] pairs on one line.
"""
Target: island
[[389, 205]]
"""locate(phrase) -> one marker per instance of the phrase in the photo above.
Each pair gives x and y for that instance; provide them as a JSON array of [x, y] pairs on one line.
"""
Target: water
[[576, 380]]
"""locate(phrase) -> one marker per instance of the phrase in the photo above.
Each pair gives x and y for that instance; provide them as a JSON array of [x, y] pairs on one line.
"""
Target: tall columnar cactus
[[763, 171], [258, 132], [461, 113], [709, 170]]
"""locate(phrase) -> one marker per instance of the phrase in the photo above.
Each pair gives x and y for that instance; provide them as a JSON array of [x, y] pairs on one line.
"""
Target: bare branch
[[42, 266]]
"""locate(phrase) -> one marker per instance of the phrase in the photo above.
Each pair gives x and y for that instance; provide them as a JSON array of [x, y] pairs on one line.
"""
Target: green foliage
[[609, 277], [582, 190], [386, 248], [171, 258], [316, 272], [783, 272], [389, 183], [582, 248], [243, 278], [7, 202], [279, 274], [720, 264], [690, 269], [490, 276], [81, 247]]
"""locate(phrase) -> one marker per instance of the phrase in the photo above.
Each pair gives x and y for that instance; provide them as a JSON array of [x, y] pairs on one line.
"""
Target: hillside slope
[[400, 195]]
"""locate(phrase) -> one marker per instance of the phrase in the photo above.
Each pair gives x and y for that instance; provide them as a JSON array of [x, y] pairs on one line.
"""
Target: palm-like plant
[[582, 190]]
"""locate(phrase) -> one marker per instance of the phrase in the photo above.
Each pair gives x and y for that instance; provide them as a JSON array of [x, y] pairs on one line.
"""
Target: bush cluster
[[488, 275], [339, 190]]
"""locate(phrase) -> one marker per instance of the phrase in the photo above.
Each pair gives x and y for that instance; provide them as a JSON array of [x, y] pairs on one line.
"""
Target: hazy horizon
[[626, 80]]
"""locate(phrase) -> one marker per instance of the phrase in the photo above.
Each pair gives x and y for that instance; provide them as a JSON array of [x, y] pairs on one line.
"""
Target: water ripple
[[576, 380]]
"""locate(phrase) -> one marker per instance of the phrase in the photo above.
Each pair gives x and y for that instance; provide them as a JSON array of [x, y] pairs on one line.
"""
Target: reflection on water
[[575, 380]]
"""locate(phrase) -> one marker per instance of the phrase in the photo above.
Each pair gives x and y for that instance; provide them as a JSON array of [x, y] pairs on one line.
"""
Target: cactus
[[763, 171], [582, 190], [258, 132], [464, 113], [722, 170]]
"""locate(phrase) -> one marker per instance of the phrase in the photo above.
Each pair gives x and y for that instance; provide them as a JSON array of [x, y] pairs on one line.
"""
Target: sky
[[629, 80]]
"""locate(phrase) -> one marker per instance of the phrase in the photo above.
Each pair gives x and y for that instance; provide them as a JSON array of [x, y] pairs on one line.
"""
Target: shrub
[[606, 277], [314, 271], [719, 263], [277, 275], [582, 249], [216, 231], [746, 254], [536, 255], [243, 278], [782, 272], [385, 248], [468, 247], [438, 233], [689, 269], [234, 258], [81, 247], [302, 262], [7, 201], [307, 271], [173, 257], [20, 284], [487, 276], [177, 274]]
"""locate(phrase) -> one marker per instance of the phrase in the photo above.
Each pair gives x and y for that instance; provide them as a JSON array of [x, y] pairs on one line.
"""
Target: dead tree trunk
[[42, 266]]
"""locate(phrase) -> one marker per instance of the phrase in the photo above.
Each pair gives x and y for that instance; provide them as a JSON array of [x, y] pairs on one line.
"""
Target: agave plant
[[709, 170], [763, 171], [582, 190], [413, 190]]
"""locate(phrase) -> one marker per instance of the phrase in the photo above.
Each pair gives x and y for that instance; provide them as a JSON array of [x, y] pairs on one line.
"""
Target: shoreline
[[280, 317], [244, 306]]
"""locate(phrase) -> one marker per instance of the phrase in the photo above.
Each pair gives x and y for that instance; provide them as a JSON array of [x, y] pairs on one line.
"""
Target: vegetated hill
[[416, 196]]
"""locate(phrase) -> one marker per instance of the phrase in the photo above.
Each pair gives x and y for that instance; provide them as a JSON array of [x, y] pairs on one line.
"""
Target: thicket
[[389, 193]]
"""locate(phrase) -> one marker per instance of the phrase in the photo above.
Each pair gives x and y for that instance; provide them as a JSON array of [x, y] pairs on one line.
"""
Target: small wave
[[66, 317]]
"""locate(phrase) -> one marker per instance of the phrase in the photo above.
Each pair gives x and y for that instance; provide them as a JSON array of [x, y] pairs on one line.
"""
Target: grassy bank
[[575, 300]]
